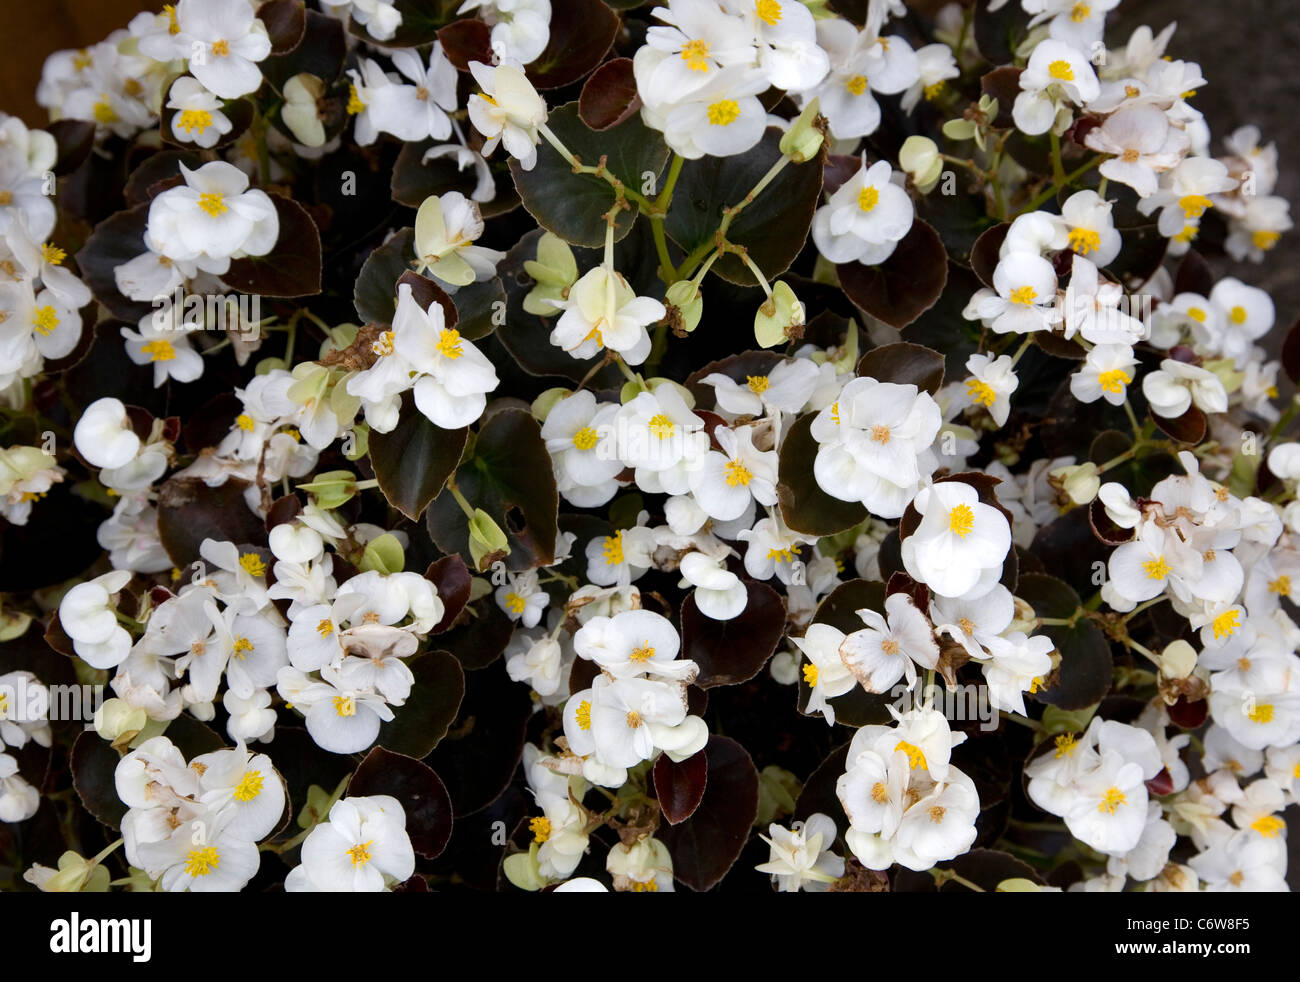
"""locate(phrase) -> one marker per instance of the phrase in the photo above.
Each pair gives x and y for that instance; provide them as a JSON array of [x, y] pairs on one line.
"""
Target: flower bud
[[685, 305], [919, 157], [487, 543], [544, 403], [332, 489], [383, 554], [555, 271], [300, 112], [780, 319], [523, 870], [803, 139], [118, 723], [1178, 660], [1080, 481]]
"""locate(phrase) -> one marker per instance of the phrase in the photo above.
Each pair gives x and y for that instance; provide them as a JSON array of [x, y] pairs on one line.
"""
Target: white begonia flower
[[26, 474], [1185, 194], [620, 558], [1092, 308], [802, 858], [445, 228], [632, 644], [1240, 862], [455, 375], [418, 111], [657, 434], [1144, 145], [1177, 386], [1057, 75], [35, 326], [890, 647], [360, 849], [1077, 23], [1092, 233], [214, 215], [871, 444], [103, 435], [581, 884], [721, 118], [577, 434], [786, 35], [1247, 315], [865, 218], [1106, 374], [522, 598], [244, 787], [226, 40], [1016, 662], [198, 118], [991, 383], [786, 388], [1025, 285], [44, 261], [26, 156], [603, 311], [368, 83], [537, 661], [341, 720], [168, 351], [974, 623], [19, 801], [202, 855], [936, 64], [958, 548], [861, 64], [622, 721], [678, 59], [300, 111], [826, 674], [24, 710], [89, 616], [727, 482], [719, 593], [379, 17], [641, 866], [507, 111], [250, 718]]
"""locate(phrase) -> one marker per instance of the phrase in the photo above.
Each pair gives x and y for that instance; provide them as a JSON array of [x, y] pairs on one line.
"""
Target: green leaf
[[413, 462], [1084, 675], [734, 651], [292, 268], [419, 725], [581, 31], [417, 787], [905, 285], [573, 205], [904, 363], [508, 475], [710, 184]]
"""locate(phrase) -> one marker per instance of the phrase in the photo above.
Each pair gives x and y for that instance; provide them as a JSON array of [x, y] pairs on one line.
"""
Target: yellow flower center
[[201, 862], [1025, 295], [1196, 314], [1238, 314], [1269, 826], [737, 474], [934, 90], [583, 715], [449, 343], [857, 84], [540, 827], [515, 603], [244, 422], [325, 628], [1194, 205], [1261, 713], [1130, 156], [172, 26], [585, 438], [355, 105], [345, 706], [1188, 233], [250, 786], [724, 112], [961, 521], [252, 564], [1060, 69], [1080, 12], [1111, 800], [634, 720], [104, 112], [1156, 569], [195, 119], [45, 320], [1280, 586], [52, 254], [1084, 240], [810, 675], [868, 198], [1265, 239], [1065, 744], [758, 384], [159, 350], [613, 548], [360, 854], [241, 648], [384, 344], [915, 756], [880, 434], [1226, 624], [980, 392], [221, 48], [769, 11], [212, 204], [696, 55], [661, 426], [1114, 380]]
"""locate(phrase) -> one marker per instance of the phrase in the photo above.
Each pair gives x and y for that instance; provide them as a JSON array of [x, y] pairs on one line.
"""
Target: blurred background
[[1246, 48]]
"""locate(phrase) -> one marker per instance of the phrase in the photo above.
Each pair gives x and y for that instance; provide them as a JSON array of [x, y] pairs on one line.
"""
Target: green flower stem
[[465, 506], [1058, 171], [1132, 418], [665, 198], [1055, 186], [719, 240], [758, 273]]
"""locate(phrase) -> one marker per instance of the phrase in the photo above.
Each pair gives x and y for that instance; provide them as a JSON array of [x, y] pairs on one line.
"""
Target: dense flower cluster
[[401, 376]]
